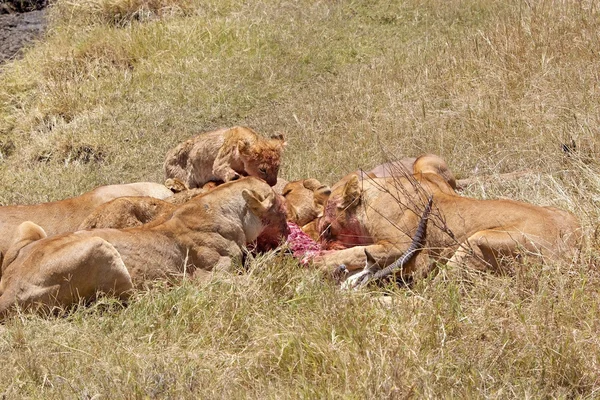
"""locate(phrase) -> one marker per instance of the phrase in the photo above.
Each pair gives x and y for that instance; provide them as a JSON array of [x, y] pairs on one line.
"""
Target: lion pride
[[225, 155], [381, 215], [66, 215], [205, 233]]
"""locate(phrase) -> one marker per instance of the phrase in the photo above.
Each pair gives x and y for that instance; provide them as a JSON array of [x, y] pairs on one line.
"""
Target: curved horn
[[416, 245]]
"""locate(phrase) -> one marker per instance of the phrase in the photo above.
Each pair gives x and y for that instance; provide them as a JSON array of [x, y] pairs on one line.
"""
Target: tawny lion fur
[[406, 166], [382, 214], [224, 155], [205, 233], [304, 203], [66, 215], [130, 211]]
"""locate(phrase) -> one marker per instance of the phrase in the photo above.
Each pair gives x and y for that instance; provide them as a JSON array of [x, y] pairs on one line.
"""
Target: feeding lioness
[[381, 215], [200, 235], [304, 203], [224, 155], [66, 215]]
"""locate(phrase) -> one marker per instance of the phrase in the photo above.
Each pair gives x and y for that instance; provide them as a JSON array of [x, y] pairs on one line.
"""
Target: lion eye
[[263, 171]]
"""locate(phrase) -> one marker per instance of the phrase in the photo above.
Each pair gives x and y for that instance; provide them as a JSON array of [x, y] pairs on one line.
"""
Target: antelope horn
[[415, 246]]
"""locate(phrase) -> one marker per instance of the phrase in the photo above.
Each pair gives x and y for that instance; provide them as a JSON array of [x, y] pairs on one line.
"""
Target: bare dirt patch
[[20, 23]]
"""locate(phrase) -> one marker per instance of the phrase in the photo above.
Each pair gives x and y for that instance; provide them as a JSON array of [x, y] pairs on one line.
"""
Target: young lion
[[205, 233], [225, 155], [304, 203]]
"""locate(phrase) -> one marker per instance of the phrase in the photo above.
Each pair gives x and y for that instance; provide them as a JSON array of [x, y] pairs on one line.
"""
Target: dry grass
[[492, 86]]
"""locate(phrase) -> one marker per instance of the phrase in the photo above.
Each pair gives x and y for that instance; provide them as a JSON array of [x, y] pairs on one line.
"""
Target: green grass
[[491, 86]]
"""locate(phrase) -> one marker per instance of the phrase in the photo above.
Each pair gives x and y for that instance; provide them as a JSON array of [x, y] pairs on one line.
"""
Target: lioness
[[224, 155], [406, 166], [382, 214], [126, 212], [203, 234], [304, 203], [305, 198], [66, 215], [130, 211]]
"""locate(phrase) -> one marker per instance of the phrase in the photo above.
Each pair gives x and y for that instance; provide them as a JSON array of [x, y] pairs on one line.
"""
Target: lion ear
[[321, 195], [351, 193], [176, 185], [26, 233], [311, 184], [279, 137], [243, 146], [257, 206], [29, 231]]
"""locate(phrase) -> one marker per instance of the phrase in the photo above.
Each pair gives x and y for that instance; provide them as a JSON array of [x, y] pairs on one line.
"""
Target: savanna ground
[[491, 86], [21, 22]]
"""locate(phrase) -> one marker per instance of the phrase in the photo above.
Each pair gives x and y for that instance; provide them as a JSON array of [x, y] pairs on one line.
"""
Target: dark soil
[[20, 23]]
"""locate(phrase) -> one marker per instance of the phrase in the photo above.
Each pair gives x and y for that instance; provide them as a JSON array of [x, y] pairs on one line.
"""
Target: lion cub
[[225, 155]]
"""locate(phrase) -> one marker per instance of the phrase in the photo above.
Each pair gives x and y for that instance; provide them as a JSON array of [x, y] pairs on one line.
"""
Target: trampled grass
[[491, 86]]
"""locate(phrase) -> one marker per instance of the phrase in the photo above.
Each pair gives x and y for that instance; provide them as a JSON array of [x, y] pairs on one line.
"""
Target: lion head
[[262, 158], [339, 226], [304, 200]]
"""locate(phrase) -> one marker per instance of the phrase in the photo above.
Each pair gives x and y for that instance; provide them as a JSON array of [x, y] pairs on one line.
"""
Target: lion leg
[[488, 250], [222, 168], [224, 172], [80, 269]]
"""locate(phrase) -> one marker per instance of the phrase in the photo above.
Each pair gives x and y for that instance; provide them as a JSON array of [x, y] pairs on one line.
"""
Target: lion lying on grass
[[66, 215], [225, 155], [304, 201], [130, 211], [403, 167], [381, 215], [205, 233]]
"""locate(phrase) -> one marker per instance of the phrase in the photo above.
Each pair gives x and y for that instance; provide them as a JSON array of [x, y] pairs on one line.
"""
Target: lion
[[126, 212], [204, 234], [406, 166], [225, 155], [66, 215], [130, 211], [305, 198], [304, 203], [381, 215]]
